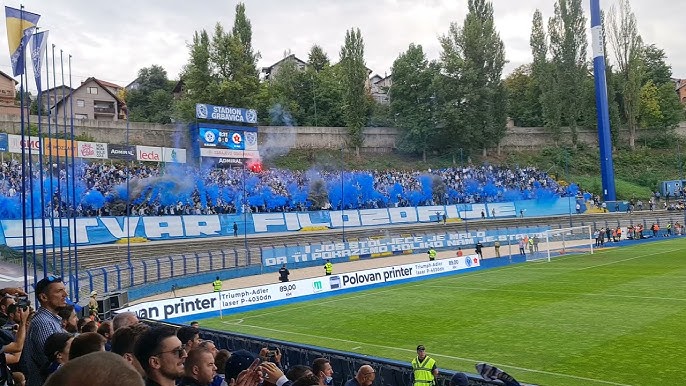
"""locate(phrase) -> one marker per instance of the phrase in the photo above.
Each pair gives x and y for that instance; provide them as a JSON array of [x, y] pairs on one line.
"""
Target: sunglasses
[[52, 278], [180, 351]]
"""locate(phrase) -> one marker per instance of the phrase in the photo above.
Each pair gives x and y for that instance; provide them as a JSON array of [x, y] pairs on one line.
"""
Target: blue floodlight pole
[[604, 141]]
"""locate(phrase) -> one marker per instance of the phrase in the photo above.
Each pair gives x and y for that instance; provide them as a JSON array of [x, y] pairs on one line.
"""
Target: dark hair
[[82, 322], [124, 339], [195, 357], [86, 343], [65, 312], [105, 328], [89, 327], [187, 333], [220, 360], [101, 368], [56, 343], [307, 380], [44, 283], [148, 343], [318, 365], [298, 371]]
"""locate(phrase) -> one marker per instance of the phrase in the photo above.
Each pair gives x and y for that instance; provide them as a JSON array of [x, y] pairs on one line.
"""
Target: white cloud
[[112, 41]]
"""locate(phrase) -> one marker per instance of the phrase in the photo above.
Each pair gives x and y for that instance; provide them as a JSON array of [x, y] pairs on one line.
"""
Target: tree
[[567, 33], [649, 107], [671, 108], [354, 78], [317, 58], [523, 98], [413, 99], [655, 67], [475, 54], [222, 70], [627, 46], [152, 100], [544, 78]]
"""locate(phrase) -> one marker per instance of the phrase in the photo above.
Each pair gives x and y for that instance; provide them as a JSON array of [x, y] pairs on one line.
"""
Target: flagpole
[[30, 178], [50, 176], [23, 162], [38, 47], [73, 187], [66, 180], [52, 169], [57, 158]]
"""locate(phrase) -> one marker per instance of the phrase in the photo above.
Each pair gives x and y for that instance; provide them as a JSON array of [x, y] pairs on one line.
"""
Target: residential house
[[52, 96], [380, 87], [94, 99], [269, 72], [135, 85], [8, 94], [680, 86]]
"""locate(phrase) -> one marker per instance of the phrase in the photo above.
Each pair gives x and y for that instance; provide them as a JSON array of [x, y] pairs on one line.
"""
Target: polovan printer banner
[[237, 299]]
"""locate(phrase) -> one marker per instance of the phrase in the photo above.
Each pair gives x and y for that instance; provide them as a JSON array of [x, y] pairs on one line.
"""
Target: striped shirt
[[33, 357]]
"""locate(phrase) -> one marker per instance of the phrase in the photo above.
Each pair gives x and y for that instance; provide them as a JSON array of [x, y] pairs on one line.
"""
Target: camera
[[271, 353], [23, 302]]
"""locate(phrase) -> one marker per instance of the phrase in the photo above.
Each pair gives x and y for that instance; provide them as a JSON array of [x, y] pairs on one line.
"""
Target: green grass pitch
[[613, 318]]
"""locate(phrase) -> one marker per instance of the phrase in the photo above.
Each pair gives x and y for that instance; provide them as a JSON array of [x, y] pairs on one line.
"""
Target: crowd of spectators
[[101, 188], [49, 347]]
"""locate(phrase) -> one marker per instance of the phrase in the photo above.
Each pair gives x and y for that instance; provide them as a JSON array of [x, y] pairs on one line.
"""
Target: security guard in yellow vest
[[217, 285], [432, 254], [328, 268], [424, 370]]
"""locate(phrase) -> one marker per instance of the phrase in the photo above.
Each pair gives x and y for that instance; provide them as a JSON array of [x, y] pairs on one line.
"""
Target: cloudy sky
[[112, 40]]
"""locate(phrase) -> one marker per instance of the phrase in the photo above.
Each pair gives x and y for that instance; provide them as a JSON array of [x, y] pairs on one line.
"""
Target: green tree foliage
[[222, 69], [568, 44], [413, 99], [473, 56], [627, 46], [523, 98], [655, 66], [354, 77], [649, 107], [152, 101], [317, 58], [544, 78]]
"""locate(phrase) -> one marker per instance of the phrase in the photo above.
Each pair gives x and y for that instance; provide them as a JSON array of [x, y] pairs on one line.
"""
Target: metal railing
[[140, 272]]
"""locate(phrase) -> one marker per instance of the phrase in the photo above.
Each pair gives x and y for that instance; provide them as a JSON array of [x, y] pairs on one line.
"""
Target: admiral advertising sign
[[224, 113], [122, 152]]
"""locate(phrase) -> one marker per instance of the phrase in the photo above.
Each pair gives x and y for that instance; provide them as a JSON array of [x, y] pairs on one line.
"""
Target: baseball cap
[[238, 361], [43, 284], [421, 347], [94, 293]]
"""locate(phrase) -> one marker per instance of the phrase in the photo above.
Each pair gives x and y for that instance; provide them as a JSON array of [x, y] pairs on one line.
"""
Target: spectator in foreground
[[124, 319], [190, 337], [96, 369], [424, 368], [321, 367], [57, 349], [123, 343], [364, 377], [86, 343], [459, 379], [51, 295], [199, 368], [69, 319], [161, 355]]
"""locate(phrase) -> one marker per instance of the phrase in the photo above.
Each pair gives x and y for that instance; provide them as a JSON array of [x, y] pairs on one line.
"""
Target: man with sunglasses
[[51, 295], [161, 355]]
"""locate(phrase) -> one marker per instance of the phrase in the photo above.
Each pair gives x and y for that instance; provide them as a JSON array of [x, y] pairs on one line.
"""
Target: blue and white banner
[[37, 45], [4, 142], [392, 245], [224, 113], [103, 230]]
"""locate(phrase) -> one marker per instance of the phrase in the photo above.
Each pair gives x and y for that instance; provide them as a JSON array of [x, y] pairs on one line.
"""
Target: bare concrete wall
[[377, 139]]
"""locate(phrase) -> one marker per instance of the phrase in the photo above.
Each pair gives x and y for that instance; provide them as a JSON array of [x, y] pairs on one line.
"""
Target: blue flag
[[20, 27], [38, 46]]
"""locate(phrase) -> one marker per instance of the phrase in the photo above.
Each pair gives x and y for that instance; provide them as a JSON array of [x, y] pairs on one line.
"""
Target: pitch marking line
[[562, 375]]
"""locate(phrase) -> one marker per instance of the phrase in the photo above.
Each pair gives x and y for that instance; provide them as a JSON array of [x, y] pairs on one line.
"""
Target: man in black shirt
[[283, 273]]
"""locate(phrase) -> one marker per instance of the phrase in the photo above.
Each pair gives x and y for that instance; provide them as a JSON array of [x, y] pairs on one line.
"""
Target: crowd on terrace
[[106, 188]]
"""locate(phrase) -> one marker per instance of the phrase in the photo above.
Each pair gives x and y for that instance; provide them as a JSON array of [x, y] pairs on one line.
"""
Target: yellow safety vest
[[328, 267], [217, 284], [432, 253], [423, 374]]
